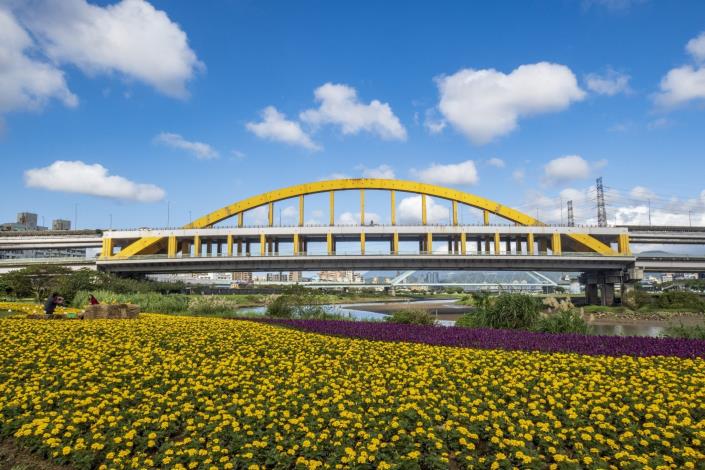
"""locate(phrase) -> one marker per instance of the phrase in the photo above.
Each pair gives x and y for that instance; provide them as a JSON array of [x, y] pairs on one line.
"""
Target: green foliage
[[683, 331], [411, 316], [681, 300], [636, 298], [152, 302], [299, 302], [34, 281], [513, 311], [564, 321]]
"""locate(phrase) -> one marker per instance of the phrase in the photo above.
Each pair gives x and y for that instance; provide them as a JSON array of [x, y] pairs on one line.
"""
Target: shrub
[[411, 316], [148, 302], [684, 300], [471, 320], [636, 298], [683, 331], [514, 311], [564, 321], [553, 304], [281, 307]]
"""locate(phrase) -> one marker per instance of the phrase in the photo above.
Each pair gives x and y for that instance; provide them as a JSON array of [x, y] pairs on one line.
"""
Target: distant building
[[242, 277], [295, 276], [28, 219], [60, 224], [340, 277], [277, 277]]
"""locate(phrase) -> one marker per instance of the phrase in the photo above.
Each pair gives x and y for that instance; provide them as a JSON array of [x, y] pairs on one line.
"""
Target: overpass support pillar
[[463, 243], [556, 243], [296, 244], [599, 287], [197, 245], [530, 243], [171, 246], [229, 249], [395, 243], [107, 247], [362, 242]]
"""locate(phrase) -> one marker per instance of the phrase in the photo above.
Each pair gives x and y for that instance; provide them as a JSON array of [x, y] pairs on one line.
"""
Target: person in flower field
[[52, 302]]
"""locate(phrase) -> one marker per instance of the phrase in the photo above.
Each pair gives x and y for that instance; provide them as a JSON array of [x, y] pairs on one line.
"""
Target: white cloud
[[681, 85], [611, 83], [566, 168], [496, 162], [339, 105], [696, 47], [201, 150], [485, 104], [336, 176], [640, 192], [26, 83], [131, 38], [275, 126], [613, 5], [348, 218], [237, 154], [454, 173], [432, 123], [518, 176], [409, 211], [383, 171], [79, 177]]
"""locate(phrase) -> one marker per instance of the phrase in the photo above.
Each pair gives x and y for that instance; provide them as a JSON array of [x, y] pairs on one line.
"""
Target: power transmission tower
[[601, 211], [571, 217]]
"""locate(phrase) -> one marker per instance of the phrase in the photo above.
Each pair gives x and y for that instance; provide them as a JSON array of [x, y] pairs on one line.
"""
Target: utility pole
[[168, 213], [571, 217], [649, 212], [601, 210]]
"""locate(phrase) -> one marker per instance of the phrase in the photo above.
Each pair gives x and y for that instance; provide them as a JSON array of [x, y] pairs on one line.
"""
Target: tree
[[35, 281]]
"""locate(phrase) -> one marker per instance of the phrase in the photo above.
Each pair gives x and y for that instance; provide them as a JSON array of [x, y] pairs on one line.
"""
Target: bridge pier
[[599, 287]]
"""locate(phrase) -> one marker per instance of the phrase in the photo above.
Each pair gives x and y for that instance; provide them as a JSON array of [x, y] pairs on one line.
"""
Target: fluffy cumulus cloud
[[95, 180], [199, 149], [610, 83], [26, 82], [275, 126], [496, 162], [453, 173], [485, 104], [339, 105], [130, 38], [686, 83], [571, 167], [348, 218], [696, 47], [409, 211], [518, 175], [642, 193], [383, 171]]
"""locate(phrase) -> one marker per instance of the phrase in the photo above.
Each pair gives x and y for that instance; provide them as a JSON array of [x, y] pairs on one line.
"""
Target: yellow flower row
[[29, 308], [187, 393]]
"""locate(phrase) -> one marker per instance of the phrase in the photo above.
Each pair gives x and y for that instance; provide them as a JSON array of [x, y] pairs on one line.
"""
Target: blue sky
[[521, 102]]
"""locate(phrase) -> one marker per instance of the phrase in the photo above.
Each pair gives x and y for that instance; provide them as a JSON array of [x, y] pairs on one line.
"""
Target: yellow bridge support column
[[332, 208], [486, 217], [171, 246], [530, 243], [496, 243], [107, 250], [362, 242], [262, 244], [393, 200], [395, 243], [240, 219], [229, 249], [623, 244], [429, 242], [556, 243], [301, 210], [362, 207], [463, 243], [196, 245], [455, 212], [270, 214], [296, 244], [329, 242], [423, 209]]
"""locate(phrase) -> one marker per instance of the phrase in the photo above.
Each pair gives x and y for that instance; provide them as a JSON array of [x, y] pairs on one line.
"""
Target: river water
[[364, 312]]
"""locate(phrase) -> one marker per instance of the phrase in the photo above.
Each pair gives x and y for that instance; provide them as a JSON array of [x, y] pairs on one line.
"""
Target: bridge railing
[[253, 254]]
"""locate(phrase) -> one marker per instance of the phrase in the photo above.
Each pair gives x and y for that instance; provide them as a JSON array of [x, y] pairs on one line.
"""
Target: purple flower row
[[503, 339]]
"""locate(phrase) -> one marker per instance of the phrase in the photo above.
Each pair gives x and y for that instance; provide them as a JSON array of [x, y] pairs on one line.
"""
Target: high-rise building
[[61, 224], [295, 276], [342, 277], [242, 277], [29, 219]]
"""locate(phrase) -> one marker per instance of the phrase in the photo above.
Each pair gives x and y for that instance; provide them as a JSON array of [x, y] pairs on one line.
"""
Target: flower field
[[27, 308], [503, 339], [187, 392]]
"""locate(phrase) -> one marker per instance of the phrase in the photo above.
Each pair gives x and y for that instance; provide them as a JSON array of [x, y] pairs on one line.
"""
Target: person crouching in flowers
[[92, 300], [51, 303]]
